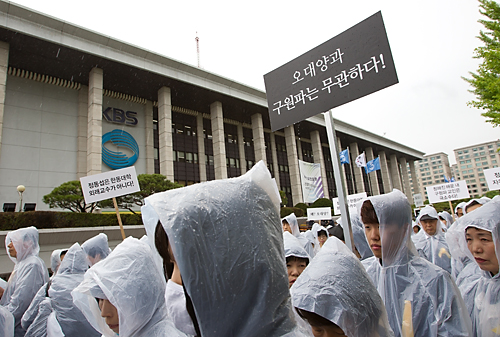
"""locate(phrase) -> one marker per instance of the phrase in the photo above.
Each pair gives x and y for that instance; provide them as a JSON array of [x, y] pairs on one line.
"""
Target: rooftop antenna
[[198, 48]]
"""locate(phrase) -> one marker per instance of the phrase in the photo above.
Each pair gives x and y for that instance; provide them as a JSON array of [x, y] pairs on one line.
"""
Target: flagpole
[[339, 180]]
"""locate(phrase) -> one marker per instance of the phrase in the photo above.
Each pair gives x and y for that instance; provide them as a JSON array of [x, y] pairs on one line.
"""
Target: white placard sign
[[319, 213], [418, 200], [448, 191], [492, 177], [109, 185], [352, 200]]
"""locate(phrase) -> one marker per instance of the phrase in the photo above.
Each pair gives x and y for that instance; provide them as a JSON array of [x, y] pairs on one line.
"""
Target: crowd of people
[[217, 260]]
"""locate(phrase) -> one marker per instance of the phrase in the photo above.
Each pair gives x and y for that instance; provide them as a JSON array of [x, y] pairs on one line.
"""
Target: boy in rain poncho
[[28, 276], [296, 257], [228, 243], [335, 295], [96, 248], [482, 230], [430, 241], [400, 275], [291, 225], [130, 293]]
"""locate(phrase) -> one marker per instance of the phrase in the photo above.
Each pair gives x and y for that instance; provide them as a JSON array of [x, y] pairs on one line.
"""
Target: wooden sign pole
[[119, 218]]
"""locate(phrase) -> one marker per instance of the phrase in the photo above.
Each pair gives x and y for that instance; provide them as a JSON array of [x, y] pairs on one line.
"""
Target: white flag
[[361, 160]]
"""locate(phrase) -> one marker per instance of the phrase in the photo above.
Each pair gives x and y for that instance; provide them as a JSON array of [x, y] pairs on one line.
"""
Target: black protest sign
[[351, 65]]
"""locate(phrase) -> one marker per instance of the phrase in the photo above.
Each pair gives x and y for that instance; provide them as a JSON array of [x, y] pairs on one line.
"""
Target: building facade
[[472, 160], [76, 103], [431, 170]]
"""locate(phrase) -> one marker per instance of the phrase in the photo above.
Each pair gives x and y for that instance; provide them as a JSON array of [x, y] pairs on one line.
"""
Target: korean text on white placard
[[109, 184], [447, 192]]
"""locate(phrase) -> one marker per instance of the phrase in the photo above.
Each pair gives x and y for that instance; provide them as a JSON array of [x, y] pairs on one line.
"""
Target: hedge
[[289, 210], [48, 219]]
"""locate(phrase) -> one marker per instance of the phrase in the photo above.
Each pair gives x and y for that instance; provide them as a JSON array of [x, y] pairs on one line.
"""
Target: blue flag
[[372, 165], [452, 179], [446, 180], [344, 157]]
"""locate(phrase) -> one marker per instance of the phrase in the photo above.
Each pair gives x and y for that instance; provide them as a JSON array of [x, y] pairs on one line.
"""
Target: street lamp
[[20, 190]]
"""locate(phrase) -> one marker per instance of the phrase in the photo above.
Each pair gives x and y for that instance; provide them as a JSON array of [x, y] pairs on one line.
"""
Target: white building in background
[[472, 160], [431, 170]]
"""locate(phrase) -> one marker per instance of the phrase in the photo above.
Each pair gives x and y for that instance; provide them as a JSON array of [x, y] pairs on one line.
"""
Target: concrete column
[[218, 143], [241, 150], [414, 179], [165, 133], [293, 165], [83, 107], [94, 122], [202, 164], [259, 143], [358, 173], [299, 149], [372, 176], [394, 169], [4, 67], [342, 166], [384, 171], [406, 179], [276, 170], [318, 158], [150, 144]]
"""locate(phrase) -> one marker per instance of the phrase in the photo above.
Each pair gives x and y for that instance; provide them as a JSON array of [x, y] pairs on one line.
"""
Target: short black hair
[[298, 259], [471, 204], [63, 253], [323, 231], [368, 214], [338, 232], [314, 319]]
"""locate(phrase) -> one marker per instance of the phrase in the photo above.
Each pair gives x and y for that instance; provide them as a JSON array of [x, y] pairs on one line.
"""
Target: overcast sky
[[432, 43]]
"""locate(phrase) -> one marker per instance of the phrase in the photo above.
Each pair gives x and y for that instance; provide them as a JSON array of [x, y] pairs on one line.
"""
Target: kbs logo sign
[[118, 116]]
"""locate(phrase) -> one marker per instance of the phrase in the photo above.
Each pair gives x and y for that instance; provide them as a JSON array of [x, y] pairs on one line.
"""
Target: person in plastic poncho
[[28, 276], [459, 211], [291, 225], [335, 295], [6, 323], [358, 234], [96, 248], [482, 231], [474, 204], [227, 240], [430, 242], [129, 292], [296, 257], [406, 282], [446, 219]]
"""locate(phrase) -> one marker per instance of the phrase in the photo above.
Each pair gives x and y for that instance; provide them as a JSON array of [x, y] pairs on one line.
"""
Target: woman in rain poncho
[[459, 211], [336, 287], [474, 204], [228, 243], [446, 219], [28, 276], [55, 260], [130, 292], [482, 230], [430, 241], [293, 225], [96, 248], [296, 257], [400, 275]]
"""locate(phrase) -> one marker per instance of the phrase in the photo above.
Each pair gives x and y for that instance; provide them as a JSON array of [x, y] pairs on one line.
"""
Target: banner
[[344, 156], [418, 200], [448, 191], [312, 185], [492, 177], [352, 200], [361, 160], [372, 165]]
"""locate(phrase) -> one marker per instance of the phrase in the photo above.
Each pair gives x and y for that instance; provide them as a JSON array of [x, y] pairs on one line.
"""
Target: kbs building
[[69, 97]]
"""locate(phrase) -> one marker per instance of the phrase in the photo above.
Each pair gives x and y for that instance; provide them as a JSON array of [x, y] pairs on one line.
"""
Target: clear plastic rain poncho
[[316, 228], [38, 327], [447, 217], [294, 225], [129, 279], [28, 276], [437, 309], [481, 201], [227, 240], [55, 260], [484, 297], [96, 248], [433, 248], [6, 323], [358, 234], [335, 286], [293, 247], [459, 206], [69, 276], [32, 311]]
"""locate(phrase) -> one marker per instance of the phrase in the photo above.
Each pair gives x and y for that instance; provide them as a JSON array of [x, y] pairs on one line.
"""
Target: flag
[[452, 179], [361, 160], [446, 180], [344, 157], [372, 165]]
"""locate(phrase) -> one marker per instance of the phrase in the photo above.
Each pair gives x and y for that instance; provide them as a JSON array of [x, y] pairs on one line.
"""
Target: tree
[[149, 184], [69, 196], [284, 199], [486, 82]]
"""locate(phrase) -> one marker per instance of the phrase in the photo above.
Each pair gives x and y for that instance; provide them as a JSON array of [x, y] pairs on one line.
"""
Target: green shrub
[[322, 202], [302, 206], [289, 210], [48, 219]]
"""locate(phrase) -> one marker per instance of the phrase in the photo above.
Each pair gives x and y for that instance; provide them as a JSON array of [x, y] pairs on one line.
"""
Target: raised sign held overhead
[[351, 65], [448, 192]]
